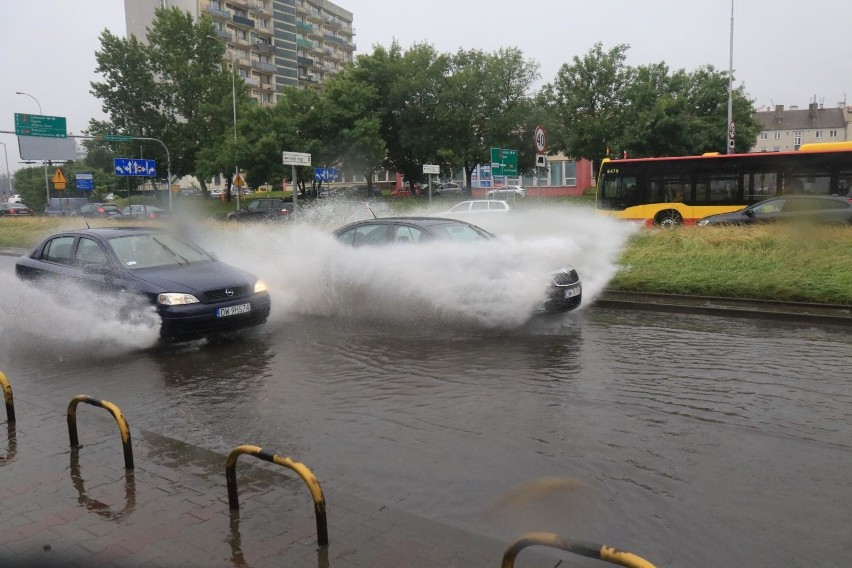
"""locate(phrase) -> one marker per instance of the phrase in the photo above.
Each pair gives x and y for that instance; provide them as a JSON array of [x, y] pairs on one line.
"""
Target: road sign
[[238, 181], [133, 167], [540, 160], [431, 169], [85, 181], [58, 177], [117, 138], [296, 159], [326, 174], [40, 125], [540, 140], [504, 162]]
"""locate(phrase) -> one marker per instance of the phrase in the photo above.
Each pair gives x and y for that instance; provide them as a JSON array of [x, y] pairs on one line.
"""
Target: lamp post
[[234, 101], [46, 183], [8, 173], [731, 132]]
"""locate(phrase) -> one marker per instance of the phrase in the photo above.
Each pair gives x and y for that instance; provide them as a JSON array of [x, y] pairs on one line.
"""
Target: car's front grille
[[222, 294], [565, 278]]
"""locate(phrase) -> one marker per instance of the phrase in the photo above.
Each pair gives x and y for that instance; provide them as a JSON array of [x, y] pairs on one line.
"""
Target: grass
[[794, 263]]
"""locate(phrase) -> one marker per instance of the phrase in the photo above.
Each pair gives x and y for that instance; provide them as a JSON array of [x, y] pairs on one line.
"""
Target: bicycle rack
[[116, 413], [7, 394], [588, 549], [303, 472]]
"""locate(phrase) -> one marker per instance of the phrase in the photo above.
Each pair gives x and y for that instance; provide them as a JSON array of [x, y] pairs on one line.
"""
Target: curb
[[801, 312]]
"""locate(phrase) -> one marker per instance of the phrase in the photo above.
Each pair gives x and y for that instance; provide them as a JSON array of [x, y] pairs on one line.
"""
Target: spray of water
[[488, 286], [494, 285]]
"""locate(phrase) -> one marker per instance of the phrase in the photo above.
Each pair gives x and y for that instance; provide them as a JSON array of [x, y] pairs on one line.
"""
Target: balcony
[[264, 48], [240, 4], [268, 67], [305, 61], [219, 14], [305, 26], [247, 22], [225, 34], [306, 43], [251, 81], [266, 86], [334, 39]]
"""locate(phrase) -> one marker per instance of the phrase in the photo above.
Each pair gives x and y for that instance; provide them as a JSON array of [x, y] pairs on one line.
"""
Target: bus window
[[618, 192], [807, 184], [722, 190], [761, 185], [670, 189]]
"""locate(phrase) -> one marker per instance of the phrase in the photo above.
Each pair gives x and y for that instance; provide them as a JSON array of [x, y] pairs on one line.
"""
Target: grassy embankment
[[810, 264]]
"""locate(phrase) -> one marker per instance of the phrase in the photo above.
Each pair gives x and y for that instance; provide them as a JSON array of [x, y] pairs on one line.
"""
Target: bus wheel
[[669, 219]]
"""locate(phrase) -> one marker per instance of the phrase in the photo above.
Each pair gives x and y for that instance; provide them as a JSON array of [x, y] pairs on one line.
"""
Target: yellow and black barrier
[[303, 472], [116, 413], [7, 395], [588, 549]]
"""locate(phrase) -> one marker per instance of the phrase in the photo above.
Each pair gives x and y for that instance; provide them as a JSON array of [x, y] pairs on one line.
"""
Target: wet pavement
[[81, 507]]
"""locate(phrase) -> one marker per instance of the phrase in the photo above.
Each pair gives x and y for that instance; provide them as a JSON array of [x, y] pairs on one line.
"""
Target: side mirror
[[748, 213]]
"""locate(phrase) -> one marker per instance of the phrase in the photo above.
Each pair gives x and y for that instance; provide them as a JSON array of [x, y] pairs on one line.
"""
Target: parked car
[[217, 192], [15, 210], [195, 294], [563, 289], [141, 211], [105, 210], [16, 198], [449, 188], [406, 190], [787, 208], [61, 206], [506, 192], [263, 209], [477, 207]]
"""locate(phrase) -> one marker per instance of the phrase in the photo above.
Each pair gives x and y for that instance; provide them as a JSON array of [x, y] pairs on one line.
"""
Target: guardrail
[[588, 549], [116, 413], [7, 395], [303, 472]]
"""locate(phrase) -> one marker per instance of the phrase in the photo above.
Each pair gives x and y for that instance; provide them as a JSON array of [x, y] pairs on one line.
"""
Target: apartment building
[[784, 130], [272, 43]]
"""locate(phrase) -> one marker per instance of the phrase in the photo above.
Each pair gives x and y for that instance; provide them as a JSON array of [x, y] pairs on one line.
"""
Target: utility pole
[[731, 127]]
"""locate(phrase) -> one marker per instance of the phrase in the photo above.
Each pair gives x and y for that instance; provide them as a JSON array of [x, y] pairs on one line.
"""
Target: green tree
[[173, 88], [588, 102]]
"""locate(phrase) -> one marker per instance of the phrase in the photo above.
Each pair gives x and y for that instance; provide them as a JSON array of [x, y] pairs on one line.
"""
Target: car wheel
[[669, 219]]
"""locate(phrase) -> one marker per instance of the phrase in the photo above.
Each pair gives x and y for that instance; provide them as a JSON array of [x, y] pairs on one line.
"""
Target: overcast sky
[[785, 51]]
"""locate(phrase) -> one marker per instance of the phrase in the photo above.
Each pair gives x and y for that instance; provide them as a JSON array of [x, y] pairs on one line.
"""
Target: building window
[[818, 134], [778, 136], [832, 134], [764, 136], [797, 139]]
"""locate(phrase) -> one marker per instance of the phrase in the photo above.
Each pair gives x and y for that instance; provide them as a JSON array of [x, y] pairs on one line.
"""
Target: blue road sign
[[135, 167], [325, 174], [84, 181]]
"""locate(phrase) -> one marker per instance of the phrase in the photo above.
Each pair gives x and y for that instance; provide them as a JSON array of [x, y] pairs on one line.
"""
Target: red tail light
[[284, 212], [100, 209]]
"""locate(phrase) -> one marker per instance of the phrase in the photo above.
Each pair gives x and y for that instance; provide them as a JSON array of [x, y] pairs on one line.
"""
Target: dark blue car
[[194, 293]]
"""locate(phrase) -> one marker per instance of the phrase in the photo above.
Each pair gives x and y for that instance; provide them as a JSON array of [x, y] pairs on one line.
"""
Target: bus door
[[671, 192]]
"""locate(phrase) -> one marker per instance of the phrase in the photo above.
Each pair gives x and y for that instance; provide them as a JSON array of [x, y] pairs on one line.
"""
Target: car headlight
[[176, 299], [703, 222], [259, 286]]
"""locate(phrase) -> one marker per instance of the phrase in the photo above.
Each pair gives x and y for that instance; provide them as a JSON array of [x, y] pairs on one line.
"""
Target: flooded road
[[685, 439], [689, 440]]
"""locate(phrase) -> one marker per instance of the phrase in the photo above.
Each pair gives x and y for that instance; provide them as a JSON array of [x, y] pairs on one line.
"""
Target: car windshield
[[459, 233], [155, 249]]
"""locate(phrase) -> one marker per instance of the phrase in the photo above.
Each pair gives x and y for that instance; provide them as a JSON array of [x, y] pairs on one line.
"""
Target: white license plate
[[233, 310], [571, 292]]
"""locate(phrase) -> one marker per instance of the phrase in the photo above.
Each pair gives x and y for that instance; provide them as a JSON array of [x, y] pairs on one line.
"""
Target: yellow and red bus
[[681, 190]]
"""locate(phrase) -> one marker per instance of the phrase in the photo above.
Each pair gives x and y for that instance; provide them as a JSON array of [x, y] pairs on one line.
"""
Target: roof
[[812, 117]]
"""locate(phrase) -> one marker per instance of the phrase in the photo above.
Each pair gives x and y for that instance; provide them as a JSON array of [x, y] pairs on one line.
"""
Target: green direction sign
[[504, 162], [117, 138], [40, 125]]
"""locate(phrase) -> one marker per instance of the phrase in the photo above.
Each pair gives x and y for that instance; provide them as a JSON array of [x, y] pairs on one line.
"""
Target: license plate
[[571, 292], [233, 310]]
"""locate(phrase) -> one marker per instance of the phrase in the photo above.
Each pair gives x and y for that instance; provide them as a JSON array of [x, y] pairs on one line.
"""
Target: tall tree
[[172, 88]]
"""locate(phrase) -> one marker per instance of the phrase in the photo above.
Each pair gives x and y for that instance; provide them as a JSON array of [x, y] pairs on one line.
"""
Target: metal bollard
[[7, 395], [588, 549], [116, 413], [303, 472]]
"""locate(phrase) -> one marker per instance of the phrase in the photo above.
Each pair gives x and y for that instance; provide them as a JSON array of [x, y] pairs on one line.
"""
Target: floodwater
[[403, 379]]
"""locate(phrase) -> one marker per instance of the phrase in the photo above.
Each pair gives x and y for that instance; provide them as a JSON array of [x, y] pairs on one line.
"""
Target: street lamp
[[234, 100], [46, 183], [8, 173]]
